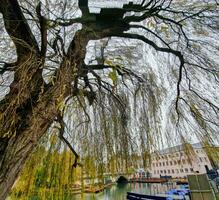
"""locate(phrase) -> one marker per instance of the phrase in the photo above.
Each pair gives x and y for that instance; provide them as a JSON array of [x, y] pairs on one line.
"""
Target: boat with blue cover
[[135, 196]]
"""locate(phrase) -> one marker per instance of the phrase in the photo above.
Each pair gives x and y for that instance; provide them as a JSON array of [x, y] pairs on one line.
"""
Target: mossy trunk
[[32, 122], [17, 150]]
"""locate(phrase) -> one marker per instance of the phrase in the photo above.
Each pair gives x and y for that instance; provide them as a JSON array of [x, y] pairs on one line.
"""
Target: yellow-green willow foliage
[[48, 174]]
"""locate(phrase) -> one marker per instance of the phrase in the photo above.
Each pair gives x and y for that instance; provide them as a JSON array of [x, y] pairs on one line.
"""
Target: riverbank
[[91, 188], [100, 188], [112, 191], [119, 191]]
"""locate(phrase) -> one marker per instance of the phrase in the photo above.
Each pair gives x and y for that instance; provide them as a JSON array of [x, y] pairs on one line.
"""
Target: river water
[[119, 191]]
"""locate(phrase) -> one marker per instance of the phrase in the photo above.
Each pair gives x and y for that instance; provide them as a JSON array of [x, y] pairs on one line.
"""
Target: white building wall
[[177, 164]]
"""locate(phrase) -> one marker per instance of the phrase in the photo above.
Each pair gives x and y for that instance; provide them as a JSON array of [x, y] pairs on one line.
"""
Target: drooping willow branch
[[61, 136], [176, 53]]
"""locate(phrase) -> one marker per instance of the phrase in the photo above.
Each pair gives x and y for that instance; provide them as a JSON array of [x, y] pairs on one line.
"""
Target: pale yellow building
[[174, 162]]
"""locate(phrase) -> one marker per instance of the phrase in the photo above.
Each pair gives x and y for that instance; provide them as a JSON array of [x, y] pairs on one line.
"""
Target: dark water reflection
[[118, 192]]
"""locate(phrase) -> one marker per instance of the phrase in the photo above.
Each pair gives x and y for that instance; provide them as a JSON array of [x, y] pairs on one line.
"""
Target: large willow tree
[[45, 60]]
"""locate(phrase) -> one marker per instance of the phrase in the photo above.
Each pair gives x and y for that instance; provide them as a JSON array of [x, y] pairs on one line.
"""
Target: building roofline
[[178, 148]]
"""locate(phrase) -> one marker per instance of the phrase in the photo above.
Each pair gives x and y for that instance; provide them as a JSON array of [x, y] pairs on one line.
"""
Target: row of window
[[167, 163], [173, 171], [174, 155], [174, 162]]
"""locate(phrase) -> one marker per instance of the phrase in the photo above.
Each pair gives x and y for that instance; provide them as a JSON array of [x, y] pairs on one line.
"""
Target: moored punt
[[94, 189], [97, 189], [149, 180], [135, 196]]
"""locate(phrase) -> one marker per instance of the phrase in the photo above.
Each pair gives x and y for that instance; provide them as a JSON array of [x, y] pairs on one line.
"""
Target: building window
[[191, 169], [181, 170], [175, 162], [165, 171], [163, 163], [171, 163], [172, 171], [206, 159], [186, 170], [177, 171], [200, 159], [161, 171], [183, 161], [168, 171], [167, 163], [158, 171], [157, 164], [154, 172]]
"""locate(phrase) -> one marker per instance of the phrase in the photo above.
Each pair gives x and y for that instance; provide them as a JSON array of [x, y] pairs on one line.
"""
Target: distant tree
[[35, 102]]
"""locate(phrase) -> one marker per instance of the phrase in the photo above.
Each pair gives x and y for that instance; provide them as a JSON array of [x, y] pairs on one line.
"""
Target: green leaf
[[113, 76]]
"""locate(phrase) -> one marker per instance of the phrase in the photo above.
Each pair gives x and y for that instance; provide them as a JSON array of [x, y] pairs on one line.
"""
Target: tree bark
[[17, 149]]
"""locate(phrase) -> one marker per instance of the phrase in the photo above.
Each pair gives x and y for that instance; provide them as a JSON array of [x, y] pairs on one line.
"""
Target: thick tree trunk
[[31, 106], [18, 149]]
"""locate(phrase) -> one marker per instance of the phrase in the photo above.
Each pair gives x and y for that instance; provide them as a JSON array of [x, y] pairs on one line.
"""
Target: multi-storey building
[[175, 162]]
